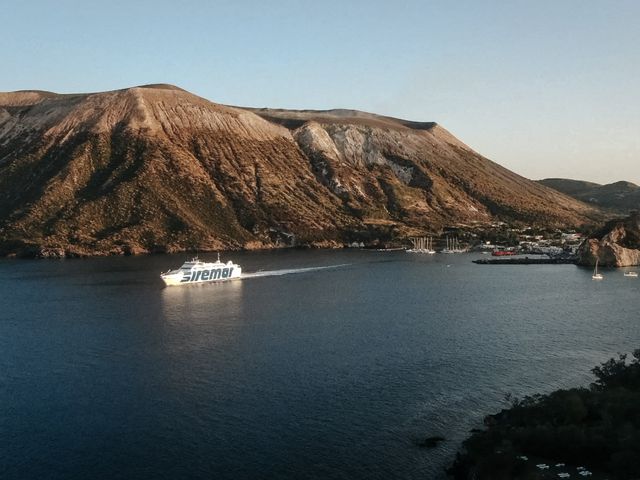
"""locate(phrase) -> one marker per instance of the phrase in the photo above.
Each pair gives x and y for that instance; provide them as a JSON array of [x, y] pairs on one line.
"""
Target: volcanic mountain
[[156, 168]]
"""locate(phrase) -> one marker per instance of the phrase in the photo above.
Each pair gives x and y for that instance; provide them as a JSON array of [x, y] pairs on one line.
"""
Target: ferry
[[196, 271]]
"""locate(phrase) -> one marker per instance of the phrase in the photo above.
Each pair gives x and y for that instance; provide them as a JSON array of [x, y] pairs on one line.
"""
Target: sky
[[545, 88]]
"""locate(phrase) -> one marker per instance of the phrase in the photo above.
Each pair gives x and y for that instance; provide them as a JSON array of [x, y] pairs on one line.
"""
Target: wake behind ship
[[196, 271]]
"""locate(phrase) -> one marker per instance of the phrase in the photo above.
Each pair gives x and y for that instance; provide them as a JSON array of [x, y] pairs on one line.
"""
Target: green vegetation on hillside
[[597, 428]]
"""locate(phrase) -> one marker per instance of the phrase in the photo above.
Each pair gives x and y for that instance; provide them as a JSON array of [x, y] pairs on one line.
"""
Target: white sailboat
[[448, 249], [596, 275], [453, 246], [459, 249], [430, 249], [422, 245], [416, 245]]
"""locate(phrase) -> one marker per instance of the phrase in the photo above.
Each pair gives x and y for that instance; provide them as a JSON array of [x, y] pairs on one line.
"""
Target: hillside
[[619, 197], [156, 168]]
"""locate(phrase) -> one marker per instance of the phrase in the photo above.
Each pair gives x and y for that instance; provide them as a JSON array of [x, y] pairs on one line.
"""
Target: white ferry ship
[[195, 271]]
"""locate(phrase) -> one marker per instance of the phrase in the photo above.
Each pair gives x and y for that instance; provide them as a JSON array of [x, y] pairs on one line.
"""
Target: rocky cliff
[[617, 244], [156, 168]]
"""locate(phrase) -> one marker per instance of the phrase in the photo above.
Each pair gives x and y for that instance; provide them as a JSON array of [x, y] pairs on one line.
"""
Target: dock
[[561, 260]]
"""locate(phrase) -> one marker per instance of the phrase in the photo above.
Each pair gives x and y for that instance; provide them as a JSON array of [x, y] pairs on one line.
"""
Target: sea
[[317, 364]]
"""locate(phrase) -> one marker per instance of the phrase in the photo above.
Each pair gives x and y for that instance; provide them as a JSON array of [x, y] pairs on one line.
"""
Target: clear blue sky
[[545, 88]]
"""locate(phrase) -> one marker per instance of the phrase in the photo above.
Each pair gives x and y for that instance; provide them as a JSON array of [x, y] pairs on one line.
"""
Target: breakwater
[[527, 261]]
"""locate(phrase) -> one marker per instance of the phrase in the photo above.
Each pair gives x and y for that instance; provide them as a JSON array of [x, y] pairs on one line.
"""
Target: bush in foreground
[[597, 426]]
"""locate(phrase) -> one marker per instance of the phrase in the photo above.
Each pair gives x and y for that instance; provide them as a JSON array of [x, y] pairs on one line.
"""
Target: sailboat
[[453, 246], [430, 249], [449, 248], [417, 245], [631, 274], [596, 275], [458, 248], [422, 245]]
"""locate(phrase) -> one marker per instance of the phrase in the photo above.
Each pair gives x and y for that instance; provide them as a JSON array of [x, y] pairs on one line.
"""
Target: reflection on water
[[204, 300], [202, 318]]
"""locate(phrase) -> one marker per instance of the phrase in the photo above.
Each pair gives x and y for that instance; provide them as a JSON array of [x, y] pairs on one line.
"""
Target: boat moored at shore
[[196, 271], [422, 245], [503, 253], [596, 275]]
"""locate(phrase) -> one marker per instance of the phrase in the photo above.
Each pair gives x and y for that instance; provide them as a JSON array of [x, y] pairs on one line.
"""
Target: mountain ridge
[[620, 197], [156, 168]]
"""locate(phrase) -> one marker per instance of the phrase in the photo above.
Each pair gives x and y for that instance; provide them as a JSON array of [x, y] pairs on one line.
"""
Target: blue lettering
[[216, 274], [225, 272], [205, 275]]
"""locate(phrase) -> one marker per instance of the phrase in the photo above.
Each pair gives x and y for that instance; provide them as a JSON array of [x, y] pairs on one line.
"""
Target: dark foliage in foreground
[[597, 426]]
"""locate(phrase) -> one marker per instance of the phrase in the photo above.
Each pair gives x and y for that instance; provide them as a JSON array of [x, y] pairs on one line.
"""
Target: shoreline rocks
[[617, 244]]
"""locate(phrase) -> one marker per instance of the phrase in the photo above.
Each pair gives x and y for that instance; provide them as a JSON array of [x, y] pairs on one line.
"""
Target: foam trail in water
[[288, 271]]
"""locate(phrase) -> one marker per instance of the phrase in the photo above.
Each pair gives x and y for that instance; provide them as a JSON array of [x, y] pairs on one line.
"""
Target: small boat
[[503, 253], [631, 274], [596, 275], [195, 271]]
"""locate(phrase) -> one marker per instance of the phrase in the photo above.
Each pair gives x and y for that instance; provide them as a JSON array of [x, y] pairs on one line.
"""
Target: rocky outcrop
[[157, 169], [617, 244]]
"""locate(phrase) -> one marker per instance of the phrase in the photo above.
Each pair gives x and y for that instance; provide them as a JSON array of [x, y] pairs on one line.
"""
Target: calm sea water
[[332, 373]]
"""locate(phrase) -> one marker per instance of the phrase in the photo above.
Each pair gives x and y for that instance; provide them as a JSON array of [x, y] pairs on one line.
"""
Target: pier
[[528, 261]]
